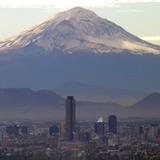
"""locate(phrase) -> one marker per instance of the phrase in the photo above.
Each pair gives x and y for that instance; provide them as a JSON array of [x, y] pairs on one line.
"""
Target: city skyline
[[79, 80]]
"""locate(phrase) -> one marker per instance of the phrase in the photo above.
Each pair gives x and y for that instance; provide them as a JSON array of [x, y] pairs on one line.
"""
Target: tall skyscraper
[[70, 118], [112, 124]]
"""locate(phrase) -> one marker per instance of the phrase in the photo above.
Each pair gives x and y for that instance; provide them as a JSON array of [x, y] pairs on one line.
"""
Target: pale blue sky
[[141, 19]]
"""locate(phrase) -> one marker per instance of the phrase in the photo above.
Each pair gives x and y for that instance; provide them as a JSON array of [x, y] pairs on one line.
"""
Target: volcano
[[79, 30], [77, 45]]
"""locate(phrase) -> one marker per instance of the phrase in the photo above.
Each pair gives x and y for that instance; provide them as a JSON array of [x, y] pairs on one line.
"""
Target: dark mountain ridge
[[20, 97], [150, 102], [149, 106], [44, 105], [25, 103]]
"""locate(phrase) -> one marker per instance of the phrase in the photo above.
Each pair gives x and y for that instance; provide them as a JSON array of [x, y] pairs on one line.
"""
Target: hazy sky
[[140, 17]]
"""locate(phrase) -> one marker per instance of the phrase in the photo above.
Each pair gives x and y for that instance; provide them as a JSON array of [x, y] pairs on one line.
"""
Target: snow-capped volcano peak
[[79, 29], [76, 13]]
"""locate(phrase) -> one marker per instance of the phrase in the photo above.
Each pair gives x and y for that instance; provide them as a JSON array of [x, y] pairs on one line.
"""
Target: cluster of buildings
[[72, 139], [70, 129]]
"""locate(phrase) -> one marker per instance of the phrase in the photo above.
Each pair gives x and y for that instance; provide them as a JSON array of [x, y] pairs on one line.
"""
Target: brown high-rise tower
[[70, 118]]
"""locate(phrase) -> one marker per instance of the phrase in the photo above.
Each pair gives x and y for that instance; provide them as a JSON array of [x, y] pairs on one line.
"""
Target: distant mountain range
[[25, 103], [77, 45], [46, 105], [95, 93]]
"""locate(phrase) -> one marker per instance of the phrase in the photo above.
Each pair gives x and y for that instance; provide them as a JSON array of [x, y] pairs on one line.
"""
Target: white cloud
[[151, 38], [67, 3]]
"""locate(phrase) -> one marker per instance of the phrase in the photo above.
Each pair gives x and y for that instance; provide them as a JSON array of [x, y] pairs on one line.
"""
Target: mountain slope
[[14, 97], [77, 30], [150, 102], [24, 103], [149, 106]]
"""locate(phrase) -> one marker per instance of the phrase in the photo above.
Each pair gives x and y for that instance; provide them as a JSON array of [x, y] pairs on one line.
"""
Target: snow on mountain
[[80, 29]]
